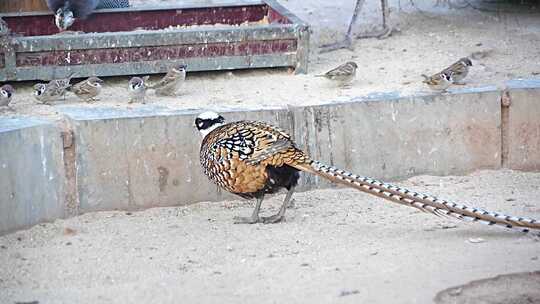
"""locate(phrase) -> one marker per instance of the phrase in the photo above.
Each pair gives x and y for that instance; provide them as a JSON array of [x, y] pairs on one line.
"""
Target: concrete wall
[[523, 127], [148, 156], [31, 172]]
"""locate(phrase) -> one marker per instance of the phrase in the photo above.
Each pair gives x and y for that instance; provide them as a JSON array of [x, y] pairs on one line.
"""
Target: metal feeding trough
[[242, 35]]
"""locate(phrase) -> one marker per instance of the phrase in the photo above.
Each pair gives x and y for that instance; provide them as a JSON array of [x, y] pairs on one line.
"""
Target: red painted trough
[[149, 40]]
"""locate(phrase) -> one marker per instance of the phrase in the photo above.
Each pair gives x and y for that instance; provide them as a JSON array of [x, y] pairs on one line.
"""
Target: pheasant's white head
[[63, 18], [208, 121]]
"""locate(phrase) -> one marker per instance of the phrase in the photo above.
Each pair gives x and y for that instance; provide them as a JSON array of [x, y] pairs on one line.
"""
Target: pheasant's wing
[[55, 4], [83, 8], [251, 142]]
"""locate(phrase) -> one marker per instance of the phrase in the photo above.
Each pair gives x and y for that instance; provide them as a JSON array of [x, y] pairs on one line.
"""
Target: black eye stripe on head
[[203, 124]]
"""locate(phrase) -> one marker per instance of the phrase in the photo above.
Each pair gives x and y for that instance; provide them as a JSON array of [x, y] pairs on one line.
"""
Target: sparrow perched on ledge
[[56, 88], [87, 89], [171, 82], [137, 89], [438, 82], [344, 73], [459, 70], [6, 92]]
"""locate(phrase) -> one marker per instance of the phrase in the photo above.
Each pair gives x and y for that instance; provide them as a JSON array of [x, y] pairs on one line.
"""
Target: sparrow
[[459, 70], [87, 89], [344, 73], [4, 29], [439, 81], [6, 92], [137, 89], [67, 11], [170, 83], [56, 88]]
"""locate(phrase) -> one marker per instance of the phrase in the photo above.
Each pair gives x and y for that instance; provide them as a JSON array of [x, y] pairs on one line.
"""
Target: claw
[[276, 218], [246, 220]]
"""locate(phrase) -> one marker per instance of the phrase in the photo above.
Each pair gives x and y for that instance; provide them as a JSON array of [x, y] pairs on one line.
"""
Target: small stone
[[448, 226], [476, 240], [510, 199], [534, 258], [304, 264], [129, 213], [69, 231], [68, 243], [345, 293]]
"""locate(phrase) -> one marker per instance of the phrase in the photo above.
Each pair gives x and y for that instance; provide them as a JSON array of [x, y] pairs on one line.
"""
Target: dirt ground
[[336, 246], [426, 39]]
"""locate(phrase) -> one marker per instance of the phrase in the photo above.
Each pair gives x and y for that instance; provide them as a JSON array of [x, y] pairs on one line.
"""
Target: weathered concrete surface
[[149, 156], [524, 125], [502, 289], [31, 173], [390, 137], [134, 159]]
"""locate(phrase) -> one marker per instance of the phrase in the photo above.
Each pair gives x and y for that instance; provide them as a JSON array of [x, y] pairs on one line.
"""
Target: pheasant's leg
[[279, 216], [347, 42], [254, 216]]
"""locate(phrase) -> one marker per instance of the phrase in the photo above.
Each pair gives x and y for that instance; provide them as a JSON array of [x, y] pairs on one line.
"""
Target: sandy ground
[[336, 246], [427, 39]]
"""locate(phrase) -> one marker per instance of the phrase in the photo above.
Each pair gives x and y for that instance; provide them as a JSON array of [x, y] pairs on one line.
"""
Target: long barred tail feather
[[423, 202]]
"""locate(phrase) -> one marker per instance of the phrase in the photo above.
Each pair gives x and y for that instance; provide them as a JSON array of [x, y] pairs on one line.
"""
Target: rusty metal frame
[[296, 31]]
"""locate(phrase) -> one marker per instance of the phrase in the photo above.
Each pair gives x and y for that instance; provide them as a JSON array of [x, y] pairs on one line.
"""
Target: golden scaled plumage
[[235, 155]]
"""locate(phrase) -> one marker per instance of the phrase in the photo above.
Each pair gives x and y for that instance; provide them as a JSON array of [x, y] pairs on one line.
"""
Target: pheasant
[[252, 159]]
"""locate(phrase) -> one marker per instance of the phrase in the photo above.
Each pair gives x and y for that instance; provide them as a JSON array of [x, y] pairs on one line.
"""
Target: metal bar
[[302, 50]]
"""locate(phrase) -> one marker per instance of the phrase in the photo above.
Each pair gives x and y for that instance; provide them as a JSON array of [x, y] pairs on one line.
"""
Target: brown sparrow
[[137, 89], [171, 82], [87, 89], [56, 88], [43, 93], [459, 70], [438, 82], [343, 74], [6, 92], [4, 29]]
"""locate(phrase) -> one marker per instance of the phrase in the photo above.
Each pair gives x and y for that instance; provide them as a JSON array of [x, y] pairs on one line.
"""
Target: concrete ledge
[[523, 128], [149, 156], [31, 173]]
